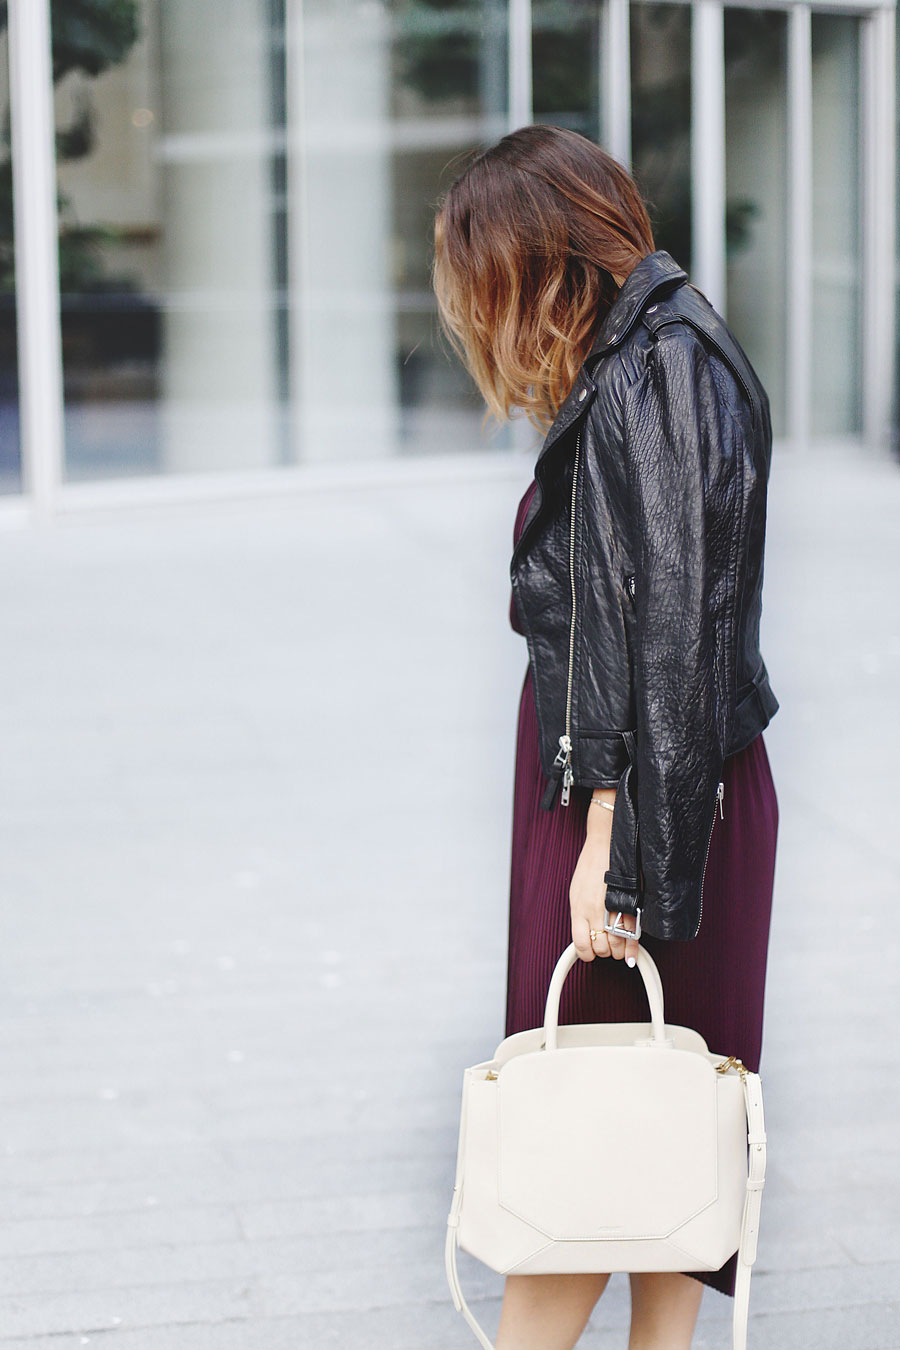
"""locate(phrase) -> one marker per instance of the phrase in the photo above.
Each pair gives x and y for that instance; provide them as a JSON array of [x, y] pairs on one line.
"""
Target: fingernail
[[629, 961]]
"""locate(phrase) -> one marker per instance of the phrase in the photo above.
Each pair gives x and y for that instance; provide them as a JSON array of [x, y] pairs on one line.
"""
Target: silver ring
[[618, 931]]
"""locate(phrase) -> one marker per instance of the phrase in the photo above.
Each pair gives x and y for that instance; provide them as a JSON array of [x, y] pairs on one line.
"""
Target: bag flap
[[607, 1141]]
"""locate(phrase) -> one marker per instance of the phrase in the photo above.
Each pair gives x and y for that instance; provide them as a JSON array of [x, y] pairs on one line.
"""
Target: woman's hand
[[587, 892]]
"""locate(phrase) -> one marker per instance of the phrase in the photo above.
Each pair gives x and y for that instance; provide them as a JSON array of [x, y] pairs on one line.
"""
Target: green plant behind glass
[[88, 35]]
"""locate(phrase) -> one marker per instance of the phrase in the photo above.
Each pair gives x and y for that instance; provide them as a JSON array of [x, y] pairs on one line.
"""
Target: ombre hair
[[528, 241]]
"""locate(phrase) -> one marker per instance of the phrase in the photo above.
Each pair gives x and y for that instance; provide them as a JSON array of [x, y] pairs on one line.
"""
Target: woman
[[644, 805]]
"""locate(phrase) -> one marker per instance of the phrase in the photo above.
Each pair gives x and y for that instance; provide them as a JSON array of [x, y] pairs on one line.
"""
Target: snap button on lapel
[[582, 396], [651, 308]]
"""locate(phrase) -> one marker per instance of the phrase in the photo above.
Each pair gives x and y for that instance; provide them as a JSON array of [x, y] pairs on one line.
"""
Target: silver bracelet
[[599, 801]]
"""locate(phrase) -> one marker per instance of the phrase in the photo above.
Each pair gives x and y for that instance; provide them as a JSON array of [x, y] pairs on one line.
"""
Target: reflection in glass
[[246, 227], [448, 96], [661, 121], [10, 462], [756, 169], [447, 58], [566, 64], [836, 228], [172, 266]]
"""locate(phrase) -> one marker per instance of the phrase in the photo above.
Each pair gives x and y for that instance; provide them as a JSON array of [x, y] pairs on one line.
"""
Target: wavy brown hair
[[529, 240]]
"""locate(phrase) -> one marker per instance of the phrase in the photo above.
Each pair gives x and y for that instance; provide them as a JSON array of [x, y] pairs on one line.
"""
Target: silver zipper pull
[[568, 780], [565, 749], [720, 793]]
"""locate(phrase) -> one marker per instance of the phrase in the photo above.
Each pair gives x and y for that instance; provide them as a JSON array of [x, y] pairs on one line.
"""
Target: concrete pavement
[[256, 796]]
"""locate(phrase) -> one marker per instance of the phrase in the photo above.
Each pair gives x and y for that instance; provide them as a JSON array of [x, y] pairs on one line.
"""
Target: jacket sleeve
[[682, 459]]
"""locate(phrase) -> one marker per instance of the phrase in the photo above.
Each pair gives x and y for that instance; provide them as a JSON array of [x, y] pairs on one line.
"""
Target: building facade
[[218, 233]]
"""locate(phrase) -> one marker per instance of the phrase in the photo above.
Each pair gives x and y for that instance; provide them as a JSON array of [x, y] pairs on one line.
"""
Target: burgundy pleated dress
[[714, 983]]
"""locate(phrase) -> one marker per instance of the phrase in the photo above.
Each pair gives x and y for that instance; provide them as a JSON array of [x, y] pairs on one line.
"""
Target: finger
[[581, 936], [628, 945], [601, 941]]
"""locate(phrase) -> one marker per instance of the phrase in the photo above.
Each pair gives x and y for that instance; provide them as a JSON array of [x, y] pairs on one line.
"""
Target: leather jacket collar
[[650, 275], [654, 273]]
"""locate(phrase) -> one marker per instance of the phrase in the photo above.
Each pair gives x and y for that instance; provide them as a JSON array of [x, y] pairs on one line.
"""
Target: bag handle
[[652, 983]]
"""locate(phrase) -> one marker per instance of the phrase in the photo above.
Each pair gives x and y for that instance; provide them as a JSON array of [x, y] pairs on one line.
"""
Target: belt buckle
[[618, 931]]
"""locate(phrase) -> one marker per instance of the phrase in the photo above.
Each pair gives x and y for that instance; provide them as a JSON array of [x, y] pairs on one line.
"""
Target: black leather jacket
[[637, 581]]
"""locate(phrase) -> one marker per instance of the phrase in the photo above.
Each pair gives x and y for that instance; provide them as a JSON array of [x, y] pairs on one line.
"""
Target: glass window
[[172, 279], [836, 228], [246, 227], [10, 462], [396, 97], [756, 179], [661, 121], [566, 64]]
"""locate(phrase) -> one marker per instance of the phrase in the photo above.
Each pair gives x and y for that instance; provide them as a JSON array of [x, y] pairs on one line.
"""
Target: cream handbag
[[605, 1147]]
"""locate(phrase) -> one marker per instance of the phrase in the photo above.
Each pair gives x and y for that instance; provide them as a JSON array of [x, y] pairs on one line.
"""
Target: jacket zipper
[[564, 753], [720, 797]]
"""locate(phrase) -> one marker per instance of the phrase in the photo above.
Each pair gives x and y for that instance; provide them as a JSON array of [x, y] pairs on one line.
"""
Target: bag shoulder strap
[[459, 1301], [756, 1180]]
